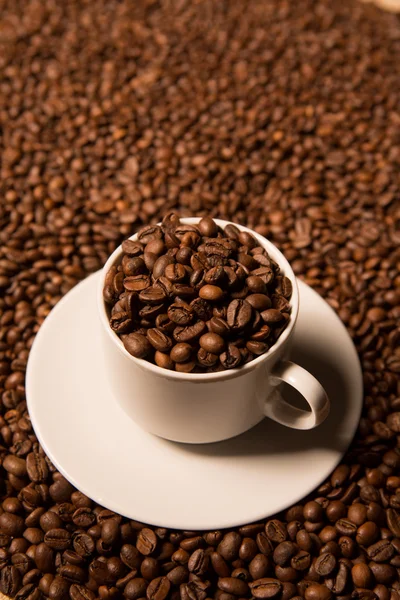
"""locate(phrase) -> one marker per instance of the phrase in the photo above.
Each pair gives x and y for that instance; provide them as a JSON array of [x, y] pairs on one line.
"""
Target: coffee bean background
[[280, 115]]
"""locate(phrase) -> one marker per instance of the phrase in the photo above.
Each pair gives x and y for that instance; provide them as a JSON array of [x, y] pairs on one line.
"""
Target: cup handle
[[277, 409]]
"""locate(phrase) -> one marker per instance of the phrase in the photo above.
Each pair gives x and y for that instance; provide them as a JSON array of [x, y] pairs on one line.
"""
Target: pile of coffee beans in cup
[[281, 115], [196, 298]]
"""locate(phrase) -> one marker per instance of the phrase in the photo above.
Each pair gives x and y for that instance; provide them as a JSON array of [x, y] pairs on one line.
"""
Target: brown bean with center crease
[[146, 541], [158, 589], [265, 588]]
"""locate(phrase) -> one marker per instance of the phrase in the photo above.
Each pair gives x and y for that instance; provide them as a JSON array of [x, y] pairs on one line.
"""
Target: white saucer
[[104, 454]]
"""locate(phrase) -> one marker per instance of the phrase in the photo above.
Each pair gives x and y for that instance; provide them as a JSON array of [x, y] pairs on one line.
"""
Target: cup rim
[[272, 250]]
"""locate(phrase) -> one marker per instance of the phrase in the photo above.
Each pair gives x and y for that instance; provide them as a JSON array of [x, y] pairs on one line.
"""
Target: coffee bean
[[146, 542], [14, 465], [259, 566], [283, 553], [28, 592], [231, 358], [190, 333], [212, 293], [159, 340], [367, 534], [83, 544], [198, 562], [185, 367], [153, 295], [219, 565], [317, 592], [212, 342], [301, 561], [11, 524], [194, 590], [234, 586], [265, 588], [158, 589], [325, 564], [381, 551], [80, 592], [137, 345], [72, 573], [272, 316], [256, 347], [229, 546], [180, 314], [276, 531], [137, 283], [163, 360], [57, 539], [238, 315]]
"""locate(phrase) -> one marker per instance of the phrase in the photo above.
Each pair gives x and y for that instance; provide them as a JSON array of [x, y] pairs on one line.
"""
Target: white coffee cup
[[198, 408]]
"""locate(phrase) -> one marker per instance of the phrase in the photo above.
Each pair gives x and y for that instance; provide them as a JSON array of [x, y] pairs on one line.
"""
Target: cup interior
[[274, 253]]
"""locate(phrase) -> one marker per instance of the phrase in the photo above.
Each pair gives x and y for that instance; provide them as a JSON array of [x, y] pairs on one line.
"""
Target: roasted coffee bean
[[239, 313], [137, 283], [259, 302], [72, 573], [163, 360], [190, 333], [194, 590], [137, 344], [83, 517], [44, 558], [29, 592], [83, 544], [219, 565], [256, 347], [325, 564], [159, 340], [211, 293], [180, 314], [265, 588], [146, 542], [198, 562], [233, 585], [276, 531], [301, 561], [231, 357], [272, 316], [381, 551], [80, 592], [283, 553], [58, 539], [158, 589], [206, 359], [212, 342], [317, 591], [367, 534], [11, 524], [153, 295], [259, 566]]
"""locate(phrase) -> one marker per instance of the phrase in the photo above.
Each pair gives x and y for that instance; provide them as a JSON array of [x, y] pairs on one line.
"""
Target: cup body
[[186, 407]]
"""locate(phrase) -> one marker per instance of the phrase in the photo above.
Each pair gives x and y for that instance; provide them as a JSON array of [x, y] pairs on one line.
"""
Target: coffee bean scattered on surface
[[196, 298], [282, 116]]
